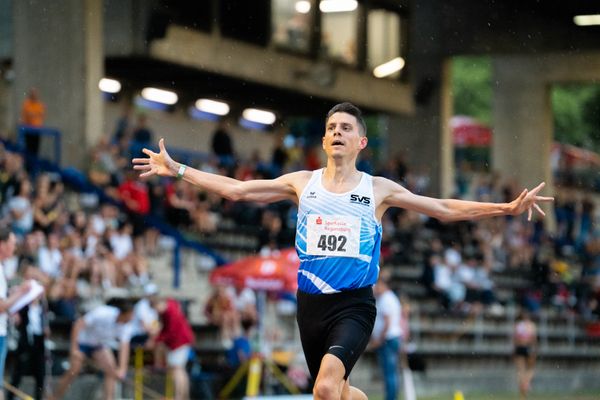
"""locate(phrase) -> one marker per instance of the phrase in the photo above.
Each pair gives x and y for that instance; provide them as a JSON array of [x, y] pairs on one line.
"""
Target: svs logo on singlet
[[364, 200]]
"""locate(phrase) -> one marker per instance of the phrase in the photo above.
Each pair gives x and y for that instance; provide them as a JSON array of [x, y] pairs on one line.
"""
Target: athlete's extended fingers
[[539, 187], [543, 198], [539, 210], [149, 152], [147, 174], [161, 145], [142, 167], [529, 214], [522, 195], [141, 161]]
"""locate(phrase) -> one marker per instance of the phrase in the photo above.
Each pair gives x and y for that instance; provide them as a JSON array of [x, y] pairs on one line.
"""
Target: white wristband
[[182, 168]]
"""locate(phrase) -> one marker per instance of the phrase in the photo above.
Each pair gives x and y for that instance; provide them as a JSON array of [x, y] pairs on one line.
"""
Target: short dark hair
[[4, 233], [124, 305], [351, 109]]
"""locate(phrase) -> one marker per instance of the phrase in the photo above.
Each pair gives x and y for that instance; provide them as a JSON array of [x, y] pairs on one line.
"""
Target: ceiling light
[[109, 85], [260, 116], [212, 106], [389, 67], [159, 96], [587, 20], [331, 6], [303, 6]]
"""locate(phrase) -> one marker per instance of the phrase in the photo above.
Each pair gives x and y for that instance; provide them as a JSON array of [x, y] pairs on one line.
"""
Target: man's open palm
[[528, 200], [156, 163]]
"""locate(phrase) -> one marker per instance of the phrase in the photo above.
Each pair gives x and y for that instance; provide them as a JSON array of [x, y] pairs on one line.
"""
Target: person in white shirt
[[21, 210], [50, 257], [145, 318], [91, 337], [387, 334], [8, 242]]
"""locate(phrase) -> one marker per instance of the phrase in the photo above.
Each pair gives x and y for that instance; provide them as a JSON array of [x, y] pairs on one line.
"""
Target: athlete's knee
[[356, 394], [326, 389]]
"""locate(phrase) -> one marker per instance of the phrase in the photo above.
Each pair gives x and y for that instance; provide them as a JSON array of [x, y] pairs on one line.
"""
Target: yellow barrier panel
[[138, 377], [169, 389], [19, 393], [254, 375]]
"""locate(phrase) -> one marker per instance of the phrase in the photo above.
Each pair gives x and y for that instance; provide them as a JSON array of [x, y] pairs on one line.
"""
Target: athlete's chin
[[336, 155]]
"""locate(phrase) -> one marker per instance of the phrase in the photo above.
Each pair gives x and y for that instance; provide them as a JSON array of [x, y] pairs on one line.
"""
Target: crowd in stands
[[459, 260], [69, 248], [81, 249]]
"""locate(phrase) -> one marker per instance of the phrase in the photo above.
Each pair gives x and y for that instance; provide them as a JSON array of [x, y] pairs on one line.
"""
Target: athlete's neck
[[339, 173]]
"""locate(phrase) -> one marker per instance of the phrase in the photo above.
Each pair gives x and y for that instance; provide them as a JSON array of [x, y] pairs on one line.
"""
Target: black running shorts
[[339, 324]]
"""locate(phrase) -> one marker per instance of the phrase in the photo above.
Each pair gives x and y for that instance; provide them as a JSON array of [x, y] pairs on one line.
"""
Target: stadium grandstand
[[241, 89]]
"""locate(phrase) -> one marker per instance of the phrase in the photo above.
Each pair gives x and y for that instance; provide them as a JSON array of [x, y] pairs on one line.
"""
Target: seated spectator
[[21, 209], [47, 204], [134, 193], [432, 254], [475, 278], [50, 257], [244, 300], [98, 173], [11, 173], [63, 299], [220, 311], [447, 283], [179, 203]]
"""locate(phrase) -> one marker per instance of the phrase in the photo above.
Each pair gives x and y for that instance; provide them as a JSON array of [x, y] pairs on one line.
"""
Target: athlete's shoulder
[[296, 177], [298, 180], [383, 184]]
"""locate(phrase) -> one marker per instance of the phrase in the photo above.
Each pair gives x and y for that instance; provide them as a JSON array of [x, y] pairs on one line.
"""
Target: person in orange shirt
[[33, 112]]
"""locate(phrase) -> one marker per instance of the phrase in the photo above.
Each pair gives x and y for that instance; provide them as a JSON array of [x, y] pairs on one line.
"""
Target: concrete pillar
[[59, 49], [422, 137], [523, 131], [7, 113]]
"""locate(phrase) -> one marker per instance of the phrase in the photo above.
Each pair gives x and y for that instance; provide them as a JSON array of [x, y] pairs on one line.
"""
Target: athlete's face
[[342, 136]]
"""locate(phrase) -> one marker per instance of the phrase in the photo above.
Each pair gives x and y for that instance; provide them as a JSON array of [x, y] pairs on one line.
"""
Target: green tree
[[576, 113], [591, 116], [472, 87]]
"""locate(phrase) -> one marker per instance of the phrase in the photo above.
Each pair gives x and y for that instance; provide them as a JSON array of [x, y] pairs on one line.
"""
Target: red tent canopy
[[468, 132], [276, 272]]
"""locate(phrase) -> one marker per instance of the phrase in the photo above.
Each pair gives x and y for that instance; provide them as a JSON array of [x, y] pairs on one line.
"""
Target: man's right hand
[[157, 163]]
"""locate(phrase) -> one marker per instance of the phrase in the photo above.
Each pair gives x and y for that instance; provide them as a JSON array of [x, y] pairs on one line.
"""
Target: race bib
[[333, 235]]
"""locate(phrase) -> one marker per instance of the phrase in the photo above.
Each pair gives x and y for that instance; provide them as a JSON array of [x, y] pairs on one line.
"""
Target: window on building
[[385, 42], [291, 24], [339, 27], [248, 21]]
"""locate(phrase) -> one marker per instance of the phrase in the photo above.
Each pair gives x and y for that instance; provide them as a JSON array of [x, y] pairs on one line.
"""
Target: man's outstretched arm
[[263, 190], [394, 195]]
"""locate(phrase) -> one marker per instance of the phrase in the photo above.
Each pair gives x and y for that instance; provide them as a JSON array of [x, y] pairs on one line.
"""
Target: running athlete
[[338, 239]]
